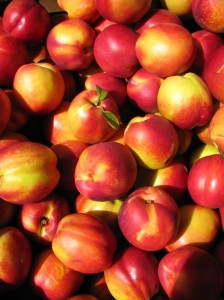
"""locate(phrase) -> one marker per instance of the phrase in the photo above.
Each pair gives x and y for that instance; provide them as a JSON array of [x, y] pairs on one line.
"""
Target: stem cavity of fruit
[[43, 222], [149, 201]]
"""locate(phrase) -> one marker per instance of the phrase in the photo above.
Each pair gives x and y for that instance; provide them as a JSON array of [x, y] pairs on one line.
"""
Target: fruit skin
[[172, 179], [80, 231], [123, 11], [154, 218], [172, 58], [15, 259], [156, 16], [18, 117], [26, 20], [152, 139], [215, 130], [205, 181], [30, 91], [114, 55], [54, 126], [85, 10], [39, 220], [178, 95], [69, 44], [213, 73], [201, 151], [133, 274], [202, 132], [86, 116], [190, 273], [101, 24], [28, 172], [142, 90], [8, 138], [209, 14], [192, 216], [6, 110], [7, 213], [51, 279], [68, 153], [206, 42], [14, 54], [114, 86], [182, 9], [105, 171], [105, 210]]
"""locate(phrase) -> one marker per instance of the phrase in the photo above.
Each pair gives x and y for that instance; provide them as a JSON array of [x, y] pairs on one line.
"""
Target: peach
[[105, 171], [185, 100], [152, 139], [51, 279], [85, 10], [30, 89], [209, 14], [199, 226], [81, 231], [191, 273], [28, 172], [154, 217], [123, 11], [133, 275], [69, 44], [15, 260], [159, 51]]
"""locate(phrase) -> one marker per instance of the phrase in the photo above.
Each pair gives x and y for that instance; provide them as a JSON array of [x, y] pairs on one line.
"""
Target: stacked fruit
[[111, 150]]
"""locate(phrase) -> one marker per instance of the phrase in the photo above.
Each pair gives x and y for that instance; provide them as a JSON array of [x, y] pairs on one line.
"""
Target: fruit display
[[112, 149]]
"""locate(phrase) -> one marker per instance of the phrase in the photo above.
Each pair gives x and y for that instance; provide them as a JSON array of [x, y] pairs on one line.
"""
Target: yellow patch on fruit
[[150, 228]]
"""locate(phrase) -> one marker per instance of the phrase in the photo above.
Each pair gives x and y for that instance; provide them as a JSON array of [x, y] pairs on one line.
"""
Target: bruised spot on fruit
[[220, 70], [1, 179]]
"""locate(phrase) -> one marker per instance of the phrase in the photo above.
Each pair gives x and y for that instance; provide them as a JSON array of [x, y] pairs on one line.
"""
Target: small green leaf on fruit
[[111, 119], [102, 94]]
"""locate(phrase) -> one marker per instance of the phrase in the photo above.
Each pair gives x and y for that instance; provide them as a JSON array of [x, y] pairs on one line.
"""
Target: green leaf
[[111, 119], [102, 94]]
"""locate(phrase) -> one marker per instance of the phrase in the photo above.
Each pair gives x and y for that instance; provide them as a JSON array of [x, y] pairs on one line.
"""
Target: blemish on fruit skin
[[220, 70]]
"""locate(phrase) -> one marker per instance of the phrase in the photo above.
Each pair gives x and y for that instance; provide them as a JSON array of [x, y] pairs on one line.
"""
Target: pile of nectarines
[[112, 150]]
